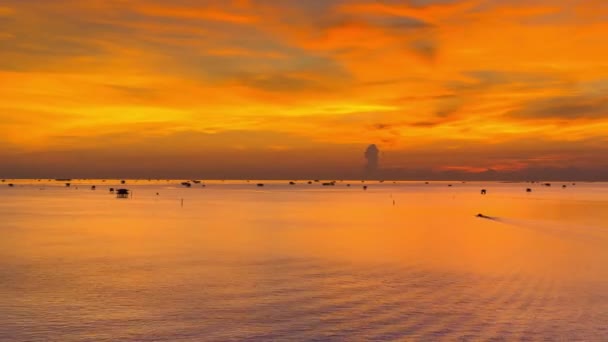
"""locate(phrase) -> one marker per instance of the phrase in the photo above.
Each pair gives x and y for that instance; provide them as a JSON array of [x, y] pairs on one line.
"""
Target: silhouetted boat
[[123, 181], [68, 185], [186, 184], [122, 193], [528, 190], [111, 189], [292, 183], [483, 191], [485, 217], [11, 185], [329, 183], [260, 185], [93, 187]]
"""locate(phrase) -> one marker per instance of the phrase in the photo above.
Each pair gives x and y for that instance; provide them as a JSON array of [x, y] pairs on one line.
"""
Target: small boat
[[480, 215], [122, 193]]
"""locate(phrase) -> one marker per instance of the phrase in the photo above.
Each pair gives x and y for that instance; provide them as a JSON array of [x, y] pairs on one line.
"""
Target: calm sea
[[233, 261]]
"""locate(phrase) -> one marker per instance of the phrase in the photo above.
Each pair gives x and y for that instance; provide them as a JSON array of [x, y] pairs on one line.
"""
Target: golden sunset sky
[[295, 88]]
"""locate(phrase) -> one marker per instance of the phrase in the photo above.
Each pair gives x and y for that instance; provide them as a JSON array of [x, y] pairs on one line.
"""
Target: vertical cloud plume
[[372, 157]]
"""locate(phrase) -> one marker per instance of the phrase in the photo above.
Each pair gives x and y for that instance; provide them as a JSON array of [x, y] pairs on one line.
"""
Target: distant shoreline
[[455, 181]]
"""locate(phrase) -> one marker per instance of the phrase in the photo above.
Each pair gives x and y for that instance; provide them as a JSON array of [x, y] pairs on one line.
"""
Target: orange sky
[[286, 88]]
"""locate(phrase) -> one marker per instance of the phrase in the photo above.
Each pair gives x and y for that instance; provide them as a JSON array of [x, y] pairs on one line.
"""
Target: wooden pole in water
[[182, 202]]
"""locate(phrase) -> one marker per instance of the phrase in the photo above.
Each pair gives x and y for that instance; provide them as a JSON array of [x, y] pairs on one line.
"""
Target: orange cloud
[[334, 76], [196, 13]]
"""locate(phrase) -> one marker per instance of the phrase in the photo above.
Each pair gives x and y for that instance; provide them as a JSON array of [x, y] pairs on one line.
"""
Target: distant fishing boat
[[122, 193], [186, 184]]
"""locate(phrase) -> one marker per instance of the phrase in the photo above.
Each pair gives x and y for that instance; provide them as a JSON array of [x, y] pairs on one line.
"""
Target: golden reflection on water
[[303, 262]]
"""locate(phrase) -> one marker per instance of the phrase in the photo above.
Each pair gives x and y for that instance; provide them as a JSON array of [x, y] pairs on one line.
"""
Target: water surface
[[403, 261]]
